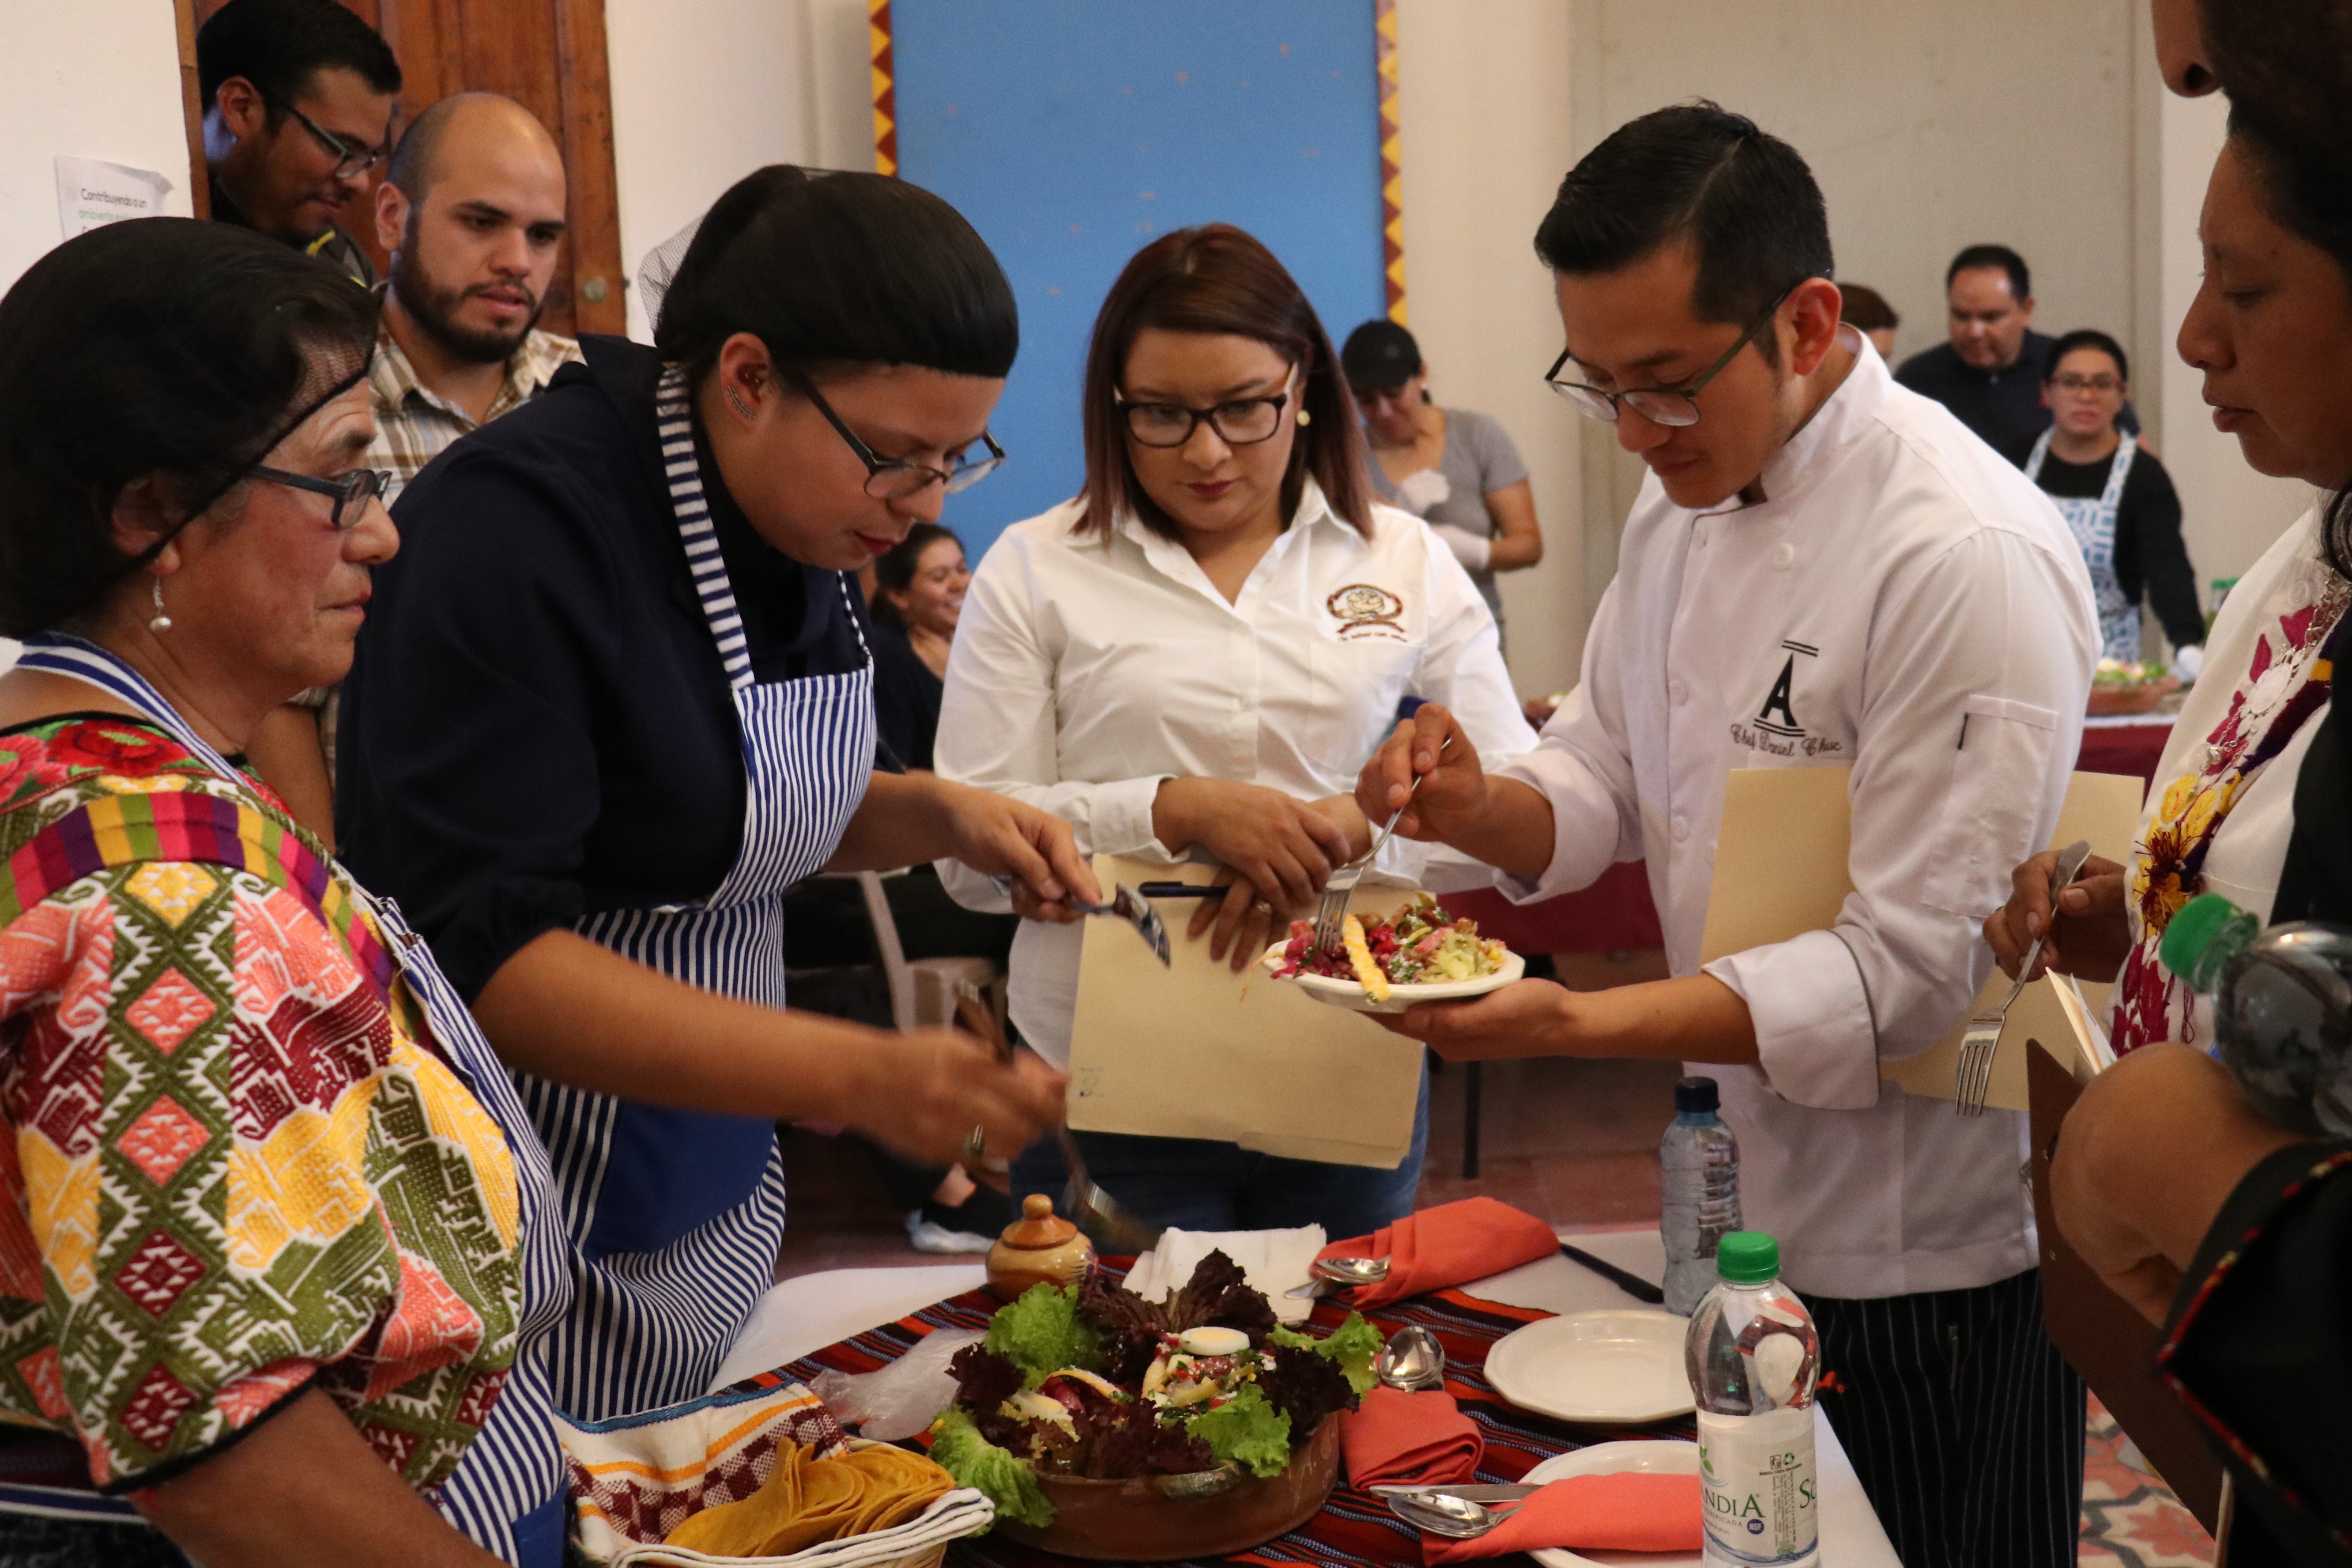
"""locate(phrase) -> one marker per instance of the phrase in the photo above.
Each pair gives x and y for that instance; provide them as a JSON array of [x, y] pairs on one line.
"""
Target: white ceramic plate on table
[[1350, 994], [1613, 1367], [1658, 1459]]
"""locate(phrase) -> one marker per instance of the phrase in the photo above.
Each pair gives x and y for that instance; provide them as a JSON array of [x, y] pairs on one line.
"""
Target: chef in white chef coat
[[1821, 569]]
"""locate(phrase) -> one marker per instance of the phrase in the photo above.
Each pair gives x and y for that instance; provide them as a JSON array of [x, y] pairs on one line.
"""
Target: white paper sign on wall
[[92, 193]]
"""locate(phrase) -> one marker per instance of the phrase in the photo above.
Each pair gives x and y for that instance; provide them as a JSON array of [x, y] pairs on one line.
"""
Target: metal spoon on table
[[1412, 1360], [1442, 1514], [1340, 1273]]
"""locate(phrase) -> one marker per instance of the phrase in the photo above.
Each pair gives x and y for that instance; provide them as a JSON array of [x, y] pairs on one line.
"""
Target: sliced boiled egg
[[1100, 1384], [1213, 1342], [1031, 1405]]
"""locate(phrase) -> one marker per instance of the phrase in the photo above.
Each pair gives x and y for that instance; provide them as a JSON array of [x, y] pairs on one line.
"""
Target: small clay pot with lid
[[1041, 1247]]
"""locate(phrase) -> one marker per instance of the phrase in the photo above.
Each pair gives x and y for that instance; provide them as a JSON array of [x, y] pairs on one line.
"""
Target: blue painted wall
[[1071, 133]]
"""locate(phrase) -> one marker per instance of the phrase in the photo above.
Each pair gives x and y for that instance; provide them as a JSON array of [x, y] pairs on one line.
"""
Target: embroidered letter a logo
[[1777, 703]]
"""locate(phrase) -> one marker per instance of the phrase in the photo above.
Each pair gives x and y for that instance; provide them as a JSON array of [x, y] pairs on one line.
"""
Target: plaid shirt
[[414, 424]]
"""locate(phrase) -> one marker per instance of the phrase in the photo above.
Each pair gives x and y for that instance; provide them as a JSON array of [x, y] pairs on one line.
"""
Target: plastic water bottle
[[1753, 1355], [2282, 1008], [1698, 1188]]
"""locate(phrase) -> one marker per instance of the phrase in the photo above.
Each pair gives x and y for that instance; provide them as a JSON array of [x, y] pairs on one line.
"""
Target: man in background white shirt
[[1823, 569]]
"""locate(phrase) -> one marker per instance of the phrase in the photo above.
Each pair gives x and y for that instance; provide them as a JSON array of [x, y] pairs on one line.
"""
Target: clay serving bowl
[[1166, 1518]]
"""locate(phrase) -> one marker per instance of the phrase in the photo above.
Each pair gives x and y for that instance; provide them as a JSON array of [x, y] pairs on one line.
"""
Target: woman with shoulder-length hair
[[616, 698], [279, 1256], [1190, 658]]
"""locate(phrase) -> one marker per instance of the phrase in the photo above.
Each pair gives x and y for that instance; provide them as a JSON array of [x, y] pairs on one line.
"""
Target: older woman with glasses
[[279, 1255], [615, 698], [1190, 660]]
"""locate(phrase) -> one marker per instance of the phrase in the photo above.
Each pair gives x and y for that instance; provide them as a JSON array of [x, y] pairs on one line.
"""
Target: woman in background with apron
[[615, 696], [2117, 501]]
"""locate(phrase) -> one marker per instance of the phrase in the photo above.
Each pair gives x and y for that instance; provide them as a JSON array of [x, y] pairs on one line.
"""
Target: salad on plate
[[1421, 944], [1093, 1381]]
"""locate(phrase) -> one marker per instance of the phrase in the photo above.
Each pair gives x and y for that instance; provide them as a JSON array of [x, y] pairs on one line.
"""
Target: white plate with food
[[1657, 1458], [1418, 953], [1620, 1367]]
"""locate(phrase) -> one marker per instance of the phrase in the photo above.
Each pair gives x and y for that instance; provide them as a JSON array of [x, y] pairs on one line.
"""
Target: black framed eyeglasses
[[351, 159], [352, 491], [1675, 406], [896, 480], [1245, 422]]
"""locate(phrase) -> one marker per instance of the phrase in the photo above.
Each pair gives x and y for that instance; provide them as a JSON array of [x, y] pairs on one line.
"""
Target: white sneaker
[[930, 1236]]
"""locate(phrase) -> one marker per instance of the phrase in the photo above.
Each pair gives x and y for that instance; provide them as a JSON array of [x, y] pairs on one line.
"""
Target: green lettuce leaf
[[1353, 1344], [1041, 1334], [1001, 1476], [1248, 1430]]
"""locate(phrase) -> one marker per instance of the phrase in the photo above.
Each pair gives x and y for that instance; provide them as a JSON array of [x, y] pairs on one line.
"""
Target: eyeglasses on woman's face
[[1675, 406], [1243, 422], [352, 491], [893, 479]]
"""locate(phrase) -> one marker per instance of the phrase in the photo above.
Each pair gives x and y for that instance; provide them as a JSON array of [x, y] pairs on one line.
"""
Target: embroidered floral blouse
[[232, 1165], [2223, 808]]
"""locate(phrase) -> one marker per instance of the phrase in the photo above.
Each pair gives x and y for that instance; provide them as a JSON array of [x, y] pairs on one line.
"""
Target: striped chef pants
[[1963, 1422]]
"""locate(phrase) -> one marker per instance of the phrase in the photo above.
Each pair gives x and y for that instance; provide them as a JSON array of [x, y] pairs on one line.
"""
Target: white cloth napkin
[[1276, 1262]]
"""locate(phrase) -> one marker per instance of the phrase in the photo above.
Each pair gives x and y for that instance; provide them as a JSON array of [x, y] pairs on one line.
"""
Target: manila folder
[[1195, 1050], [1780, 870]]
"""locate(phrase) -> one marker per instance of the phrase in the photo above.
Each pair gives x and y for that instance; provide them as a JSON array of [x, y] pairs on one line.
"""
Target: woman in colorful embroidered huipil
[[2265, 331], [278, 1253]]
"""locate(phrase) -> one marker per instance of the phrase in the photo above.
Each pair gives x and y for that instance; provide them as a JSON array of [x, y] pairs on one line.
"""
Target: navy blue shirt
[[2002, 406], [538, 726]]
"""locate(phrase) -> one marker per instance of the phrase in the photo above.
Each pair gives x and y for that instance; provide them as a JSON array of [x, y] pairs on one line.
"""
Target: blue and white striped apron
[[2092, 520], [507, 1492], [677, 1214]]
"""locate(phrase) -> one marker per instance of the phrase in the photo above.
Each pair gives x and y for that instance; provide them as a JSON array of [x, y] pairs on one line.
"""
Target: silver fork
[[1332, 908], [1972, 1079]]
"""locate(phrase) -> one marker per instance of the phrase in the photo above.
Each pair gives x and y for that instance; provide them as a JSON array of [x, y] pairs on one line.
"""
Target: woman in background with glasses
[[1190, 658], [615, 698], [2117, 499]]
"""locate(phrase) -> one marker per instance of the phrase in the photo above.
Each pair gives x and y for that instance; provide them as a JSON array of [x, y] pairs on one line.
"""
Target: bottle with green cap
[[2282, 1008], [1753, 1356]]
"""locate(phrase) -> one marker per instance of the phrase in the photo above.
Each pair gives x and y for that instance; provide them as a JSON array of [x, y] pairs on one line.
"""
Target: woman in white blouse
[[1191, 659]]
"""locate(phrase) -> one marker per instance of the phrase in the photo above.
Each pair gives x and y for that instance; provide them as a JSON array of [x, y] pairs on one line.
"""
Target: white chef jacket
[[1904, 601], [1087, 670]]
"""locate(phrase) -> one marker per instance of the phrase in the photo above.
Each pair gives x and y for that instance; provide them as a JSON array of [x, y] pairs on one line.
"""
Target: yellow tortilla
[[1360, 955]]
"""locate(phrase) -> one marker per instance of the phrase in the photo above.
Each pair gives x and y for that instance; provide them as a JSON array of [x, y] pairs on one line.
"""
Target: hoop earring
[[735, 401], [1303, 418], [162, 622]]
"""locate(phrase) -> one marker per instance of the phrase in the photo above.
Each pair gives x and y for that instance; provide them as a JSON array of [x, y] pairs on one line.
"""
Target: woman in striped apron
[[614, 699], [280, 1254]]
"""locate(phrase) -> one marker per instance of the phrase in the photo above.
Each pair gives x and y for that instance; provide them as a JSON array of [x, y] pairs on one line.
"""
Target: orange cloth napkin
[[1449, 1244], [1400, 1439], [1631, 1511]]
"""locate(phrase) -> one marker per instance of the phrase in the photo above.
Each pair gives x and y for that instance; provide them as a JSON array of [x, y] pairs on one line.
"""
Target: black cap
[[1695, 1094], [1380, 355]]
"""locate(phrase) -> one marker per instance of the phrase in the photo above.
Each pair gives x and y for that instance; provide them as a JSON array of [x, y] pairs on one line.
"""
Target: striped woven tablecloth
[[1354, 1527]]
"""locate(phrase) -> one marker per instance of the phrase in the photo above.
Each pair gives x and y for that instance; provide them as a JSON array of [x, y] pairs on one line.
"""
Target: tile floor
[[1573, 1141]]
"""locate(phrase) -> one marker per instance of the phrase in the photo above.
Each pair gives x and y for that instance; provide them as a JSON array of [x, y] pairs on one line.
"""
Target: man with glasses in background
[[1823, 569], [299, 100]]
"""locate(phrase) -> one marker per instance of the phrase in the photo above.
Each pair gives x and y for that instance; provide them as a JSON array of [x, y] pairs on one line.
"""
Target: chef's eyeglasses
[[1675, 406], [1245, 422], [351, 159], [352, 491], [888, 479]]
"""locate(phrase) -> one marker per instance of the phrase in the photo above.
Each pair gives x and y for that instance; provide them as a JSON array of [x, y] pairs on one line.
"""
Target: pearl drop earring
[[1303, 418], [162, 622]]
